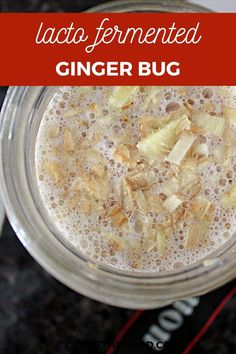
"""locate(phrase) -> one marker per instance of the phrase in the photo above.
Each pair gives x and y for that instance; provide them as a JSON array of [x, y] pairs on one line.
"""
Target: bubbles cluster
[[86, 112]]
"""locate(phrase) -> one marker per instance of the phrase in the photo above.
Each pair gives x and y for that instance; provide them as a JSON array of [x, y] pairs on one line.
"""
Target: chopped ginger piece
[[117, 215], [181, 148], [141, 201], [231, 150], [152, 96], [202, 208], [196, 234], [68, 141], [155, 238], [199, 150], [172, 203], [55, 170], [171, 186], [122, 96], [229, 135], [127, 195], [188, 178], [72, 112], [153, 202], [213, 125], [219, 153], [190, 165], [141, 180], [54, 132], [123, 154], [229, 199], [157, 145], [160, 242], [230, 114], [147, 124], [95, 187]]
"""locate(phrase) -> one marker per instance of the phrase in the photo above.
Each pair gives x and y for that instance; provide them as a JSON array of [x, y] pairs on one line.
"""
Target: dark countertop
[[38, 314], [47, 6]]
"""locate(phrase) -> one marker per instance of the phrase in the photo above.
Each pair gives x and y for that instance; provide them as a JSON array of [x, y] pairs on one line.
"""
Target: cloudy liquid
[[99, 126]]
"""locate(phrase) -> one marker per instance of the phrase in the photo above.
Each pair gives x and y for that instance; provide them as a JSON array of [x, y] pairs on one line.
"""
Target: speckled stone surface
[[39, 315]]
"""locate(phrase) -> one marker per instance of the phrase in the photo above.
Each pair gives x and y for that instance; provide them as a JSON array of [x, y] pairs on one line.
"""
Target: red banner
[[117, 49]]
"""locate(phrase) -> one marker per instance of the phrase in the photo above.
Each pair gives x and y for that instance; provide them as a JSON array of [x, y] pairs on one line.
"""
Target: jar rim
[[148, 6]]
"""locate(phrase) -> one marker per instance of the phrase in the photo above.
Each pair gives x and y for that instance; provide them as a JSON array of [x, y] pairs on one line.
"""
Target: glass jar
[[148, 6], [20, 119]]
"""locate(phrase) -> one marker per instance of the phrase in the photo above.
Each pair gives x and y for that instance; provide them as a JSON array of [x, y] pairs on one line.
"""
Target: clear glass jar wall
[[20, 120]]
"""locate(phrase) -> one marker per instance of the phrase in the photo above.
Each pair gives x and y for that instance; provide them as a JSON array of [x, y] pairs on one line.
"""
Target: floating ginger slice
[[188, 177], [158, 242], [228, 200], [137, 182], [172, 203], [55, 170], [123, 154], [117, 215], [190, 166], [199, 150], [115, 242], [141, 180], [229, 134], [202, 208], [122, 96], [193, 190], [181, 148], [147, 124], [230, 114], [196, 234], [68, 141], [203, 211], [189, 180], [156, 145], [127, 195], [135, 198], [231, 150], [141, 201], [94, 187], [155, 237], [73, 111], [153, 202], [53, 132], [213, 125], [152, 96], [171, 186]]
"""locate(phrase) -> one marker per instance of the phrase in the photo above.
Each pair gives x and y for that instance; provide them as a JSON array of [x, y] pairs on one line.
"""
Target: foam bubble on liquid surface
[[86, 232]]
